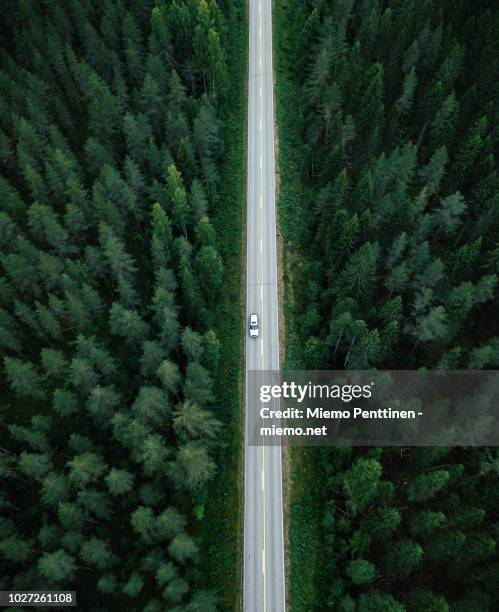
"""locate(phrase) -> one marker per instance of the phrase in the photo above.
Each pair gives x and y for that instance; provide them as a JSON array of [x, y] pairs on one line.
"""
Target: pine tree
[[357, 279], [55, 489], [361, 483], [177, 196], [194, 464], [96, 553], [143, 522], [134, 585], [191, 421], [375, 600], [128, 324], [209, 268], [23, 378], [403, 556], [57, 567], [119, 482], [361, 571], [182, 547], [85, 468]]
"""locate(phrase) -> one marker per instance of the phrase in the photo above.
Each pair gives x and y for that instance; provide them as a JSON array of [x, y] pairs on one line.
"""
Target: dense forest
[[112, 132], [389, 134]]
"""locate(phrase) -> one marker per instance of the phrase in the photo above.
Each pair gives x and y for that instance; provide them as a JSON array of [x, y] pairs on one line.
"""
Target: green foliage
[[403, 556], [182, 547], [426, 521], [426, 600], [361, 571], [95, 552], [119, 481], [388, 182], [134, 585], [361, 483], [381, 523], [375, 600], [15, 549], [425, 486], [114, 145], [57, 567]]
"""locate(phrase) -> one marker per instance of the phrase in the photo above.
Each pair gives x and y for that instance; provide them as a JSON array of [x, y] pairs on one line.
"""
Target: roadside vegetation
[[121, 152], [389, 210], [222, 528]]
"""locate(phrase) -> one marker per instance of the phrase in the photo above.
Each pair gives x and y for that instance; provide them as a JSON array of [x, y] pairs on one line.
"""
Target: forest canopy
[[111, 136], [390, 217]]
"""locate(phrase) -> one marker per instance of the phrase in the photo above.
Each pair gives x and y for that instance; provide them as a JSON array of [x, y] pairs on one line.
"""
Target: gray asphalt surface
[[264, 584]]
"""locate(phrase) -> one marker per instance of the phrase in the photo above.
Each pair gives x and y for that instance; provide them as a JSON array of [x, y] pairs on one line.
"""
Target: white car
[[254, 328]]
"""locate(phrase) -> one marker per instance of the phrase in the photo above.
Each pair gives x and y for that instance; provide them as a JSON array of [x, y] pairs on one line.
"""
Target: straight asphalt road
[[264, 584]]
